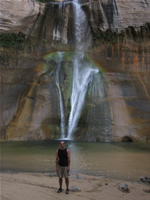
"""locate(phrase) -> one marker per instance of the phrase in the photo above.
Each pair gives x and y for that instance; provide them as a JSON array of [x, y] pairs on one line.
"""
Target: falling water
[[85, 76], [96, 87], [60, 56], [83, 73], [83, 36]]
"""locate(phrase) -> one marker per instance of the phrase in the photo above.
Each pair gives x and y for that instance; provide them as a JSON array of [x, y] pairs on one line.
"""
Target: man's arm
[[69, 159], [57, 161]]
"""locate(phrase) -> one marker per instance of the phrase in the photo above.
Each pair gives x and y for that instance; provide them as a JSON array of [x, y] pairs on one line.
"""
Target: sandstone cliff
[[29, 95], [20, 15]]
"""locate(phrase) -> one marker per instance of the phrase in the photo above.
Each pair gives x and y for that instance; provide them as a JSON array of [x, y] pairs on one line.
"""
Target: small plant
[[109, 37], [44, 41], [12, 40]]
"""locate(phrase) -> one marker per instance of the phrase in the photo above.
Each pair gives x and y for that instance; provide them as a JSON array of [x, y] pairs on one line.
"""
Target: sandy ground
[[38, 186]]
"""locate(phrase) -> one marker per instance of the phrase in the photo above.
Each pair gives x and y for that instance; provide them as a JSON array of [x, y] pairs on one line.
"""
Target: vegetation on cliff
[[130, 33], [19, 41], [12, 40]]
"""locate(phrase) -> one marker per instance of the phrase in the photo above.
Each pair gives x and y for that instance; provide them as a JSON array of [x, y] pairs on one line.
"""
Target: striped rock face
[[62, 51]]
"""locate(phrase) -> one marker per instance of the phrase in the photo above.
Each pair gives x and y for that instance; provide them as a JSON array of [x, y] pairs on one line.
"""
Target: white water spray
[[82, 72], [83, 36], [60, 55], [82, 75]]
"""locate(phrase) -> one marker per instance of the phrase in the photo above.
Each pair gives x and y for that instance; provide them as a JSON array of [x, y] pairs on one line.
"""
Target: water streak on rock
[[58, 71]]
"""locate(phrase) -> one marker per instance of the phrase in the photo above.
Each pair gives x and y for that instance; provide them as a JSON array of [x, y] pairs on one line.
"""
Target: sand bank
[[38, 186]]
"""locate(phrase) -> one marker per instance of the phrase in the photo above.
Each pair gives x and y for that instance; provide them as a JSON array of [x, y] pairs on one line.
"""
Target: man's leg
[[67, 183], [60, 185], [60, 182], [60, 179]]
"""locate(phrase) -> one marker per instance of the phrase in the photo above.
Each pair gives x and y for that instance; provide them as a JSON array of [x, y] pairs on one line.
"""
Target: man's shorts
[[62, 172]]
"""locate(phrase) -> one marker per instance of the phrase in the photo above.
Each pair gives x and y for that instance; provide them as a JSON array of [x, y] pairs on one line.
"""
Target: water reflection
[[121, 161]]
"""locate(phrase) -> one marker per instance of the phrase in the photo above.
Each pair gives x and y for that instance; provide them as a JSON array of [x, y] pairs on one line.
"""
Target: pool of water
[[127, 161]]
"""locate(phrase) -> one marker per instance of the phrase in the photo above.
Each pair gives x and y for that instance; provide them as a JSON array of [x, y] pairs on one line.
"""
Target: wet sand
[[39, 186]]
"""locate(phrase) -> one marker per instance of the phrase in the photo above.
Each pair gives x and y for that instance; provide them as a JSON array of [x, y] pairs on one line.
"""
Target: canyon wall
[[29, 105]]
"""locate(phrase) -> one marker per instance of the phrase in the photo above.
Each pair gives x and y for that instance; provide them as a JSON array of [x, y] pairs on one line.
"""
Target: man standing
[[63, 166]]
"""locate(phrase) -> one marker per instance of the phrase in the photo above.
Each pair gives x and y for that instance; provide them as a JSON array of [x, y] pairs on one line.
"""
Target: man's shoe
[[67, 191], [59, 190]]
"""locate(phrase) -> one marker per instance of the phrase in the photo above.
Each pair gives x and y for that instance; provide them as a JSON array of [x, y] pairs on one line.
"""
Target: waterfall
[[83, 36], [62, 113], [83, 72], [86, 77], [82, 75], [96, 87]]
